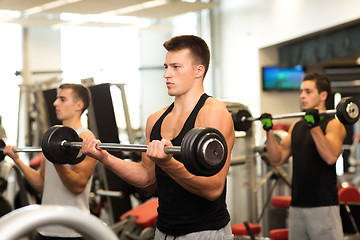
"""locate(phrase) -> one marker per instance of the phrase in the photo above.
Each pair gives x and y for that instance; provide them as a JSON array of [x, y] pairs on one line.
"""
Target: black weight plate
[[347, 111], [188, 151], [44, 142], [51, 145], [194, 158], [239, 124], [2, 145], [212, 150], [44, 145]]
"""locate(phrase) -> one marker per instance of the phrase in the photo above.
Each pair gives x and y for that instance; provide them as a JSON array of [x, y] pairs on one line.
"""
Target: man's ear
[[79, 105], [200, 70], [323, 95]]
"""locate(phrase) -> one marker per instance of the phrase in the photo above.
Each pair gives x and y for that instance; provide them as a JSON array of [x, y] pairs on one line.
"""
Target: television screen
[[276, 78]]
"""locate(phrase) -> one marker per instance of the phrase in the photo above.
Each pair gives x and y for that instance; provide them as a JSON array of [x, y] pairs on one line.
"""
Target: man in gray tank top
[[60, 184]]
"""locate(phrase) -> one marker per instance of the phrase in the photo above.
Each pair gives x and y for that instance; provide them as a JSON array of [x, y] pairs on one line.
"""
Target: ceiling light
[[48, 6], [137, 7], [7, 15], [74, 17]]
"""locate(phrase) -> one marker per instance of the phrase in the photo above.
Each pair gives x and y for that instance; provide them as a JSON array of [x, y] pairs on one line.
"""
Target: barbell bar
[[21, 149], [203, 150], [347, 111], [122, 147], [106, 146], [290, 115], [25, 149]]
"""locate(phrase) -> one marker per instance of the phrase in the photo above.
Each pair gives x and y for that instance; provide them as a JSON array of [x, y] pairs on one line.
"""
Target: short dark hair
[[321, 81], [197, 46], [80, 92]]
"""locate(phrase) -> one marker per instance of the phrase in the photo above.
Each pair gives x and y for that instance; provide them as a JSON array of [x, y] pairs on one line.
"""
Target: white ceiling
[[49, 15]]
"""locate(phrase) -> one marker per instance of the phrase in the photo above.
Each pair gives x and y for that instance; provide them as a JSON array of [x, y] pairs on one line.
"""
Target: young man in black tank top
[[315, 143], [190, 206]]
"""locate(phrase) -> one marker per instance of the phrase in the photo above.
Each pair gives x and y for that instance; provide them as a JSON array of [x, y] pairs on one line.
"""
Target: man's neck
[[186, 103], [73, 123]]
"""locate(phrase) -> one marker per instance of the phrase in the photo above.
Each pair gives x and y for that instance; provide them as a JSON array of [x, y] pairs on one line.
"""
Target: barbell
[[24, 149], [203, 150], [347, 111]]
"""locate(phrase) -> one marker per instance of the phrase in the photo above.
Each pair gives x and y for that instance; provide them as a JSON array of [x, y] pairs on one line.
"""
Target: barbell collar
[[352, 109], [123, 147], [291, 115]]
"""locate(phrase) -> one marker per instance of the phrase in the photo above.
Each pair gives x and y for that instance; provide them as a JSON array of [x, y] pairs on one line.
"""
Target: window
[[108, 55], [10, 62]]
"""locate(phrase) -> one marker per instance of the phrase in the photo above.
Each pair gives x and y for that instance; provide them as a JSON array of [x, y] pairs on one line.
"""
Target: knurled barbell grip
[[290, 115], [123, 147], [25, 149]]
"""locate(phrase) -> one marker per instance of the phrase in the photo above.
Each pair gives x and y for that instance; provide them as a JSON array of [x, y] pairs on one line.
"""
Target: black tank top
[[181, 212], [313, 181]]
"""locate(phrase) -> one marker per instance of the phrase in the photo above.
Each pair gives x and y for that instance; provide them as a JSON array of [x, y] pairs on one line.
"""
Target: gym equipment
[[16, 190], [284, 203], [279, 234], [203, 150], [349, 200], [246, 229], [347, 111], [19, 222], [5, 206], [102, 122], [138, 223]]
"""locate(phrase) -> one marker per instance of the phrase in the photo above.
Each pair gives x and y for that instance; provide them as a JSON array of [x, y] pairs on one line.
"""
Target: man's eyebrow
[[173, 64]]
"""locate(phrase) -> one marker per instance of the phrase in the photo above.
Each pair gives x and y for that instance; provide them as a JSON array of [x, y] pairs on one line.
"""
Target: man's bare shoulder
[[213, 112], [213, 104], [86, 134], [154, 117]]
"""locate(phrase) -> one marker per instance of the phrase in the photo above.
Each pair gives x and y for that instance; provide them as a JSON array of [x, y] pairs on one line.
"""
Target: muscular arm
[[278, 153], [76, 178], [140, 175], [35, 178], [329, 145], [213, 114]]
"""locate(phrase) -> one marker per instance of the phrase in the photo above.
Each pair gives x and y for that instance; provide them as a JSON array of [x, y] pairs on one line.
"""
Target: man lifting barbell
[[190, 206], [191, 179], [315, 142], [347, 111], [61, 184], [203, 150]]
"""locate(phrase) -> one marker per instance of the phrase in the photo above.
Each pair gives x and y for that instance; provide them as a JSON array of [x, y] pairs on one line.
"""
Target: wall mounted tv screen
[[276, 78]]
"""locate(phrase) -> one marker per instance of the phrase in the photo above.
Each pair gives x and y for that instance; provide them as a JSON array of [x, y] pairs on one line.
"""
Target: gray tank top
[[55, 193]]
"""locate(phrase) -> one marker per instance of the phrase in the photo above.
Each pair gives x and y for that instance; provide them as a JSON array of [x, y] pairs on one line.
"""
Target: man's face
[[309, 95], [180, 73], [66, 106]]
